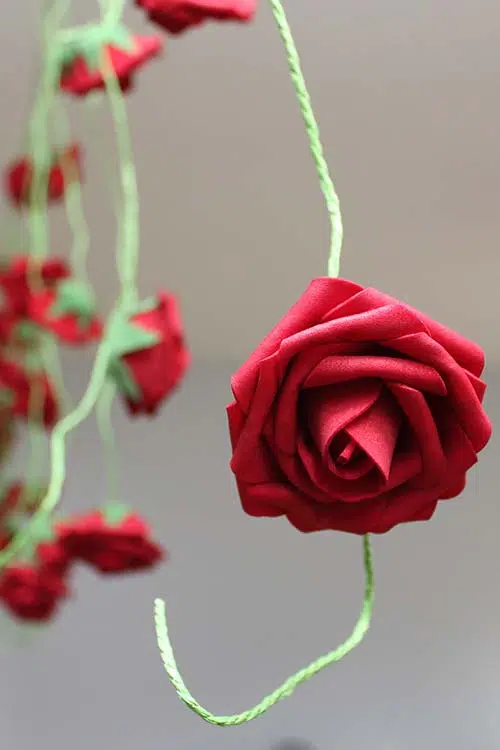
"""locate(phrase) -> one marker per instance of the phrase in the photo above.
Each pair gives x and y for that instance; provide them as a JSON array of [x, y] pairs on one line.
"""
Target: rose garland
[[356, 413]]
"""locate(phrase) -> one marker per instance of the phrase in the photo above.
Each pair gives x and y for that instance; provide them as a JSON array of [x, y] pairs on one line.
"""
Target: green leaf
[[89, 40], [126, 337], [114, 514], [120, 374], [75, 298]]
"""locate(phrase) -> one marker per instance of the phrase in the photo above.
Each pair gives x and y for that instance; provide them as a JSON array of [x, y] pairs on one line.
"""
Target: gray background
[[407, 95]]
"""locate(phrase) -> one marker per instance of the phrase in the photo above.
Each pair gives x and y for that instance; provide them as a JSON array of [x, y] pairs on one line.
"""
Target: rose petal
[[322, 294], [338, 369]]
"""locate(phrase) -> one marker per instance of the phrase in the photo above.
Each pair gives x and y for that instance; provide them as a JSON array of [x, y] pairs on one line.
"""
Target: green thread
[[73, 200], [58, 452], [313, 134], [287, 688], [362, 625], [107, 435], [128, 221]]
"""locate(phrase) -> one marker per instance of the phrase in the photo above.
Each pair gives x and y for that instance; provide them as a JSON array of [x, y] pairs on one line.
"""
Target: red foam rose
[[80, 78], [65, 169], [155, 369], [69, 327], [356, 413], [176, 16], [30, 592], [120, 547], [22, 276], [19, 385]]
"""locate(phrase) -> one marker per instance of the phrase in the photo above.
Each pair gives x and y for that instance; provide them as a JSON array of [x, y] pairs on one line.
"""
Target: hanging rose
[[68, 311], [92, 50], [63, 169], [112, 540], [33, 588], [23, 275], [356, 413], [26, 394], [32, 592], [175, 16], [149, 355]]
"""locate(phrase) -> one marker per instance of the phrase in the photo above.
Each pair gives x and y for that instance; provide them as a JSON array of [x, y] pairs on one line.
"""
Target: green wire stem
[[313, 134], [287, 688], [362, 625]]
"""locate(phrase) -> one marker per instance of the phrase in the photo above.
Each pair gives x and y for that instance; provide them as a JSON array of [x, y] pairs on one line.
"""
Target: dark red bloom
[[176, 16], [150, 355], [64, 169], [68, 311], [22, 276], [356, 413], [32, 592], [120, 544], [83, 74], [27, 395]]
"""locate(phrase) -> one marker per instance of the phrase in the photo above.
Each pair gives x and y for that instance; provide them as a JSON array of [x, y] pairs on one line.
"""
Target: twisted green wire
[[287, 688], [362, 625], [313, 134]]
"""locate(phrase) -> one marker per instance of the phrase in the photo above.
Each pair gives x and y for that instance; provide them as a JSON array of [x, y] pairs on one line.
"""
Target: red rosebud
[[110, 546], [151, 357], [65, 169], [80, 76], [22, 276], [356, 413], [68, 312], [22, 392], [176, 16], [31, 593]]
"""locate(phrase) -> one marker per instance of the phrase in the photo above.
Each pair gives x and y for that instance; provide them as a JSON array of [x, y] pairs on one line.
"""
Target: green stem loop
[[287, 688]]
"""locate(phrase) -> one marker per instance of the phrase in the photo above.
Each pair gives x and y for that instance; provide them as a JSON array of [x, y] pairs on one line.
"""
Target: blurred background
[[232, 220]]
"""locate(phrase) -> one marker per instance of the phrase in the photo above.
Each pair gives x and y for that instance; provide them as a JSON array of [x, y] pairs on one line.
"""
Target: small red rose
[[112, 541], [64, 169], [356, 413], [22, 276], [27, 395], [176, 16], [84, 67], [68, 311], [32, 592], [150, 356]]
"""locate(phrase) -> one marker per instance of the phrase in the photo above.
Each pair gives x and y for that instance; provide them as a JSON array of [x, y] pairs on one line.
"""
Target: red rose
[[150, 355], [17, 392], [126, 53], [23, 275], [31, 593], [67, 311], [111, 543], [176, 16], [64, 169], [355, 413]]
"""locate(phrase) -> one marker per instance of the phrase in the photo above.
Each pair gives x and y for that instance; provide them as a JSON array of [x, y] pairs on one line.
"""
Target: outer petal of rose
[[321, 295], [461, 392], [252, 460], [339, 369], [376, 516], [466, 353], [266, 500], [377, 326]]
